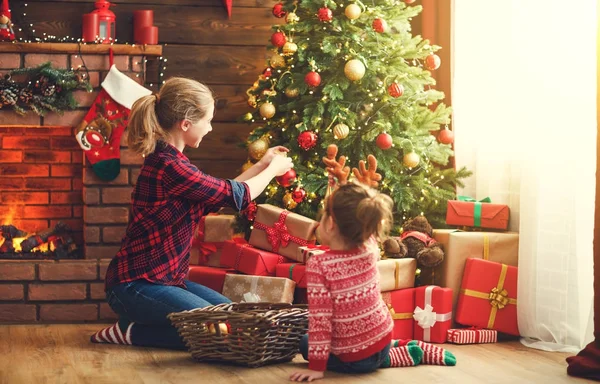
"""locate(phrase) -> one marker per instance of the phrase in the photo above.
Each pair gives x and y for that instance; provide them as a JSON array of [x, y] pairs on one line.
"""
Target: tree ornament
[[278, 39], [292, 18], [353, 11], [409, 1], [7, 32], [307, 140], [446, 136], [247, 117], [384, 141], [380, 25], [278, 10], [277, 61], [341, 131], [252, 101], [267, 110], [411, 160], [287, 178], [299, 195], [289, 48], [312, 79], [247, 165], [354, 70], [292, 92], [288, 201], [268, 72], [433, 62], [395, 90], [258, 148], [325, 14]]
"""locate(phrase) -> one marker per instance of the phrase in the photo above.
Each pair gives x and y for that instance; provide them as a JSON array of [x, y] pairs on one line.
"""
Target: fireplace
[[60, 224]]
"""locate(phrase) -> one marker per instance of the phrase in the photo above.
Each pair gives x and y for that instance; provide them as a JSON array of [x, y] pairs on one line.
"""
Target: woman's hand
[[270, 154], [306, 374]]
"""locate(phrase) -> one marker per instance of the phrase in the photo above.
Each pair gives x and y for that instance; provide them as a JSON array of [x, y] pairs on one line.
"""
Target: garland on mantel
[[41, 89]]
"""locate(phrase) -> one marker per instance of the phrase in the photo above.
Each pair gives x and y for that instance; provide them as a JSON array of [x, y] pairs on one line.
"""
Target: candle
[[141, 19], [90, 27], [148, 35]]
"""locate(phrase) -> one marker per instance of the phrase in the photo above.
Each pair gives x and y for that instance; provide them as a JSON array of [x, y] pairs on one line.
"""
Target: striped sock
[[114, 334], [434, 355], [407, 356]]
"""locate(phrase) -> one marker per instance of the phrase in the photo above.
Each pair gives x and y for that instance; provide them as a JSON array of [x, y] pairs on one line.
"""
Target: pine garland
[[41, 89]]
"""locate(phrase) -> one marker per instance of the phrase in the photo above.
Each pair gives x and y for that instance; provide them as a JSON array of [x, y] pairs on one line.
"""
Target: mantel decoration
[[41, 89]]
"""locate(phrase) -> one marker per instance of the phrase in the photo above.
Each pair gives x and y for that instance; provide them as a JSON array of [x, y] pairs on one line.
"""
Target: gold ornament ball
[[267, 110], [353, 11], [411, 160], [291, 18], [354, 69], [289, 48], [341, 131], [247, 165], [277, 61], [288, 201], [292, 92], [258, 148]]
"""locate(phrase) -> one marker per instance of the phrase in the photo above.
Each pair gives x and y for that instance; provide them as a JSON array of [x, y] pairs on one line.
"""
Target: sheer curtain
[[524, 99]]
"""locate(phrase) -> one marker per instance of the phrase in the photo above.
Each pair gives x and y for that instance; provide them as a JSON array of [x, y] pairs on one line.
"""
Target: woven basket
[[257, 333]]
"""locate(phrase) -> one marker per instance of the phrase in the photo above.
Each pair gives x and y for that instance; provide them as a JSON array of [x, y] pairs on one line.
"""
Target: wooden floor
[[63, 354]]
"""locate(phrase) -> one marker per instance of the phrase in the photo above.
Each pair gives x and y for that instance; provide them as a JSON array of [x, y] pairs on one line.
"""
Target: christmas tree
[[354, 75]]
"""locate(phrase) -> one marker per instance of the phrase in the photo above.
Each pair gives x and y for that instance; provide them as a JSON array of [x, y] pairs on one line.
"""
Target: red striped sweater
[[347, 316]]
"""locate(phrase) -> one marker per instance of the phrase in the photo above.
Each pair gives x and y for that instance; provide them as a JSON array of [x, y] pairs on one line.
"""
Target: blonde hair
[[153, 116], [360, 212]]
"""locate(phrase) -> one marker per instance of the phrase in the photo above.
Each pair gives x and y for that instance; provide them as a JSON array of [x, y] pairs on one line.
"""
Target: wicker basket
[[257, 333]]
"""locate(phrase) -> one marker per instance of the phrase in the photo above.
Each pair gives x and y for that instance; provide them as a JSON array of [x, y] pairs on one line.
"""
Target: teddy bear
[[417, 242]]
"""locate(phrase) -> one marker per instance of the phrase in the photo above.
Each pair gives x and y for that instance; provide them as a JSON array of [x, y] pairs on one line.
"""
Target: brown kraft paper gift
[[255, 289], [396, 274]]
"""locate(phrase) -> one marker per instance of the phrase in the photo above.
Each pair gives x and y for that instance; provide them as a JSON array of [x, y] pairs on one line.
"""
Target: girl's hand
[[270, 154], [280, 164], [307, 375]]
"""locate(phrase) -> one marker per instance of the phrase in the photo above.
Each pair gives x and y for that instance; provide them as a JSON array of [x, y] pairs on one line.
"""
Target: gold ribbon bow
[[498, 298]]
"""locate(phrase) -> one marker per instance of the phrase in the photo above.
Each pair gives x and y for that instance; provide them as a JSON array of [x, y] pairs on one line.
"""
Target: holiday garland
[[41, 89]]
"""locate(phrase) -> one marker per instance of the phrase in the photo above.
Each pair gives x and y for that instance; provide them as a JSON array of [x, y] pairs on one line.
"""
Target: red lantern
[[104, 26]]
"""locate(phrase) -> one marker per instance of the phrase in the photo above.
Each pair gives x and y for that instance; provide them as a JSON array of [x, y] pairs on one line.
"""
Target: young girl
[[146, 279], [350, 327]]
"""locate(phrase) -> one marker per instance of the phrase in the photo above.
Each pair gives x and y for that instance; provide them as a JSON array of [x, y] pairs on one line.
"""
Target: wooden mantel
[[80, 48]]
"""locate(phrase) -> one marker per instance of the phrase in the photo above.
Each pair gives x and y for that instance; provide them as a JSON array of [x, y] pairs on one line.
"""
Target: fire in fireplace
[[52, 243]]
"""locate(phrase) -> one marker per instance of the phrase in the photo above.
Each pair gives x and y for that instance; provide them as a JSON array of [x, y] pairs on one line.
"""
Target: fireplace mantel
[[77, 48]]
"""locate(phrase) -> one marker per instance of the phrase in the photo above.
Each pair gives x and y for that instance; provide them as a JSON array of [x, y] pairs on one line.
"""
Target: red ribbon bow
[[278, 234]]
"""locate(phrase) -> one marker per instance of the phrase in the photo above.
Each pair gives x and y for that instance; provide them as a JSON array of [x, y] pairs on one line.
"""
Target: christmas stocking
[[99, 134]]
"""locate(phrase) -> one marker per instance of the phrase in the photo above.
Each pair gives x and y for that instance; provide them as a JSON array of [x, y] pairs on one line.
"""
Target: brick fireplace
[[44, 179]]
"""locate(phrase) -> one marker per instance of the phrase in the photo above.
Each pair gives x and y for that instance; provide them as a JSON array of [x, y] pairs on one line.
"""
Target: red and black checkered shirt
[[170, 197]]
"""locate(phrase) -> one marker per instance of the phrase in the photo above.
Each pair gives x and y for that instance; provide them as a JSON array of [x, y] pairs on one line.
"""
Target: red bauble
[[409, 1], [433, 62], [325, 14], [395, 90], [298, 195], [384, 141], [287, 178], [268, 72], [307, 140], [278, 39], [380, 25], [446, 136], [312, 79], [278, 10]]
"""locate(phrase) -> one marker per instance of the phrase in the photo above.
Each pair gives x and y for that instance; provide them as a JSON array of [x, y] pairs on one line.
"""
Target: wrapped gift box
[[488, 296], [306, 252], [433, 313], [210, 277], [401, 304], [396, 273], [258, 289], [249, 260], [293, 271], [459, 246], [212, 231], [281, 231], [477, 214], [472, 336]]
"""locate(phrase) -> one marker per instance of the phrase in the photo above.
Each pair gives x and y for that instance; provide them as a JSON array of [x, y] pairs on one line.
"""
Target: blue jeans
[[368, 364], [148, 305]]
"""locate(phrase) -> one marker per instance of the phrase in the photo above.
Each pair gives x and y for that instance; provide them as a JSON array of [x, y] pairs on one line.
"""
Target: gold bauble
[[288, 201], [247, 117], [353, 11], [258, 148], [277, 61], [267, 110], [354, 69], [289, 48], [291, 18], [411, 160], [247, 165], [292, 92], [340, 131], [252, 101]]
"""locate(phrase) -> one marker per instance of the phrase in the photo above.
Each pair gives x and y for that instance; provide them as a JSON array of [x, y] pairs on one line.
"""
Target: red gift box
[[433, 313], [210, 277], [401, 304], [472, 336], [482, 214], [293, 271], [212, 232], [488, 296], [252, 261]]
